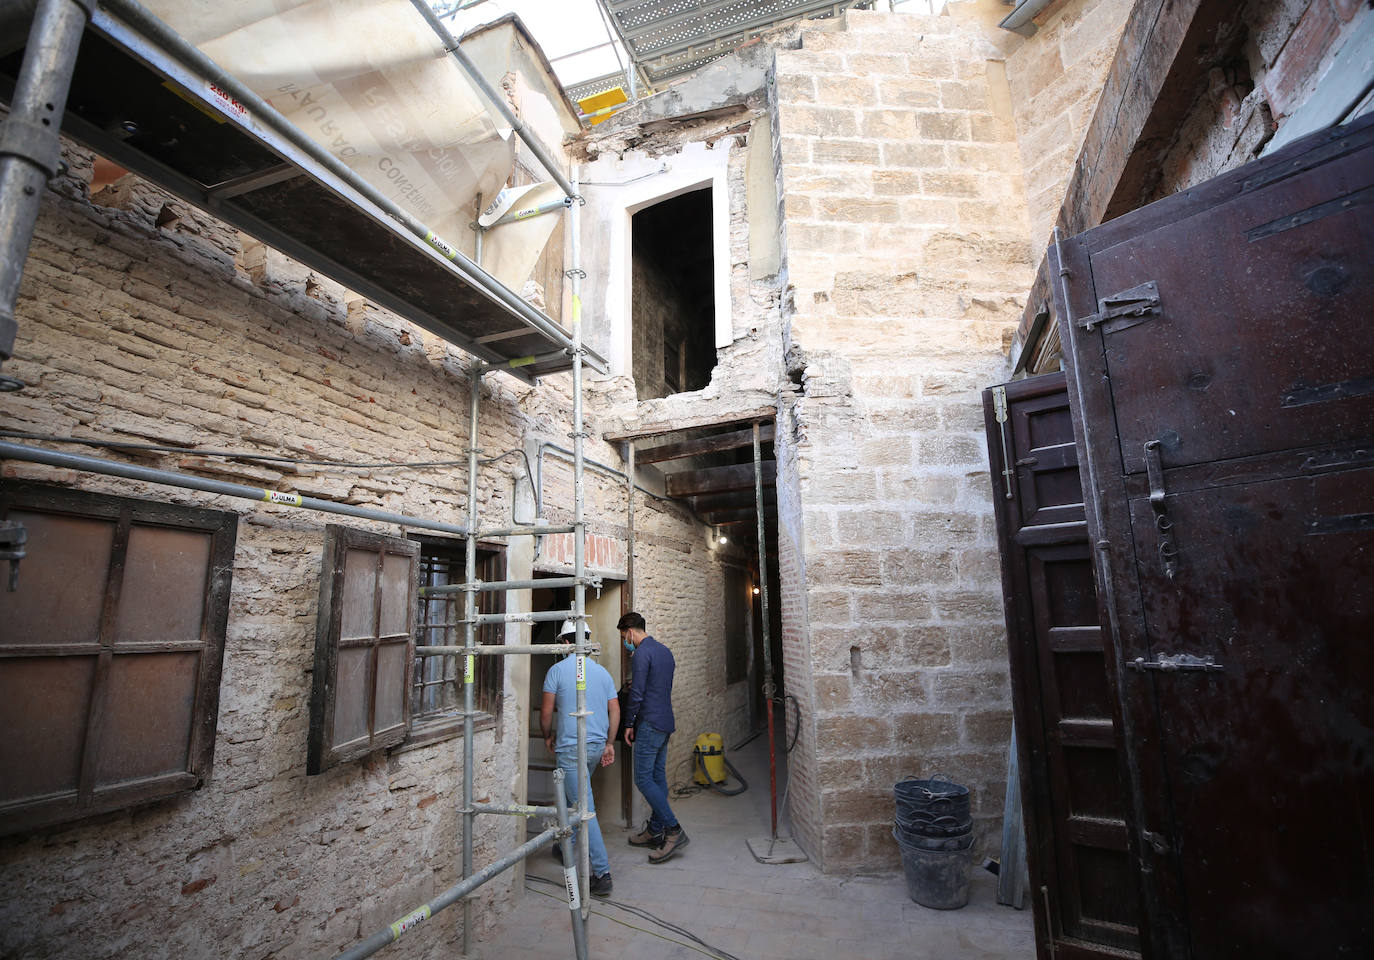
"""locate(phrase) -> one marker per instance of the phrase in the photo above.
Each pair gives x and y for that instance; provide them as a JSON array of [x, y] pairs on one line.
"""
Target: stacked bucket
[[934, 830]]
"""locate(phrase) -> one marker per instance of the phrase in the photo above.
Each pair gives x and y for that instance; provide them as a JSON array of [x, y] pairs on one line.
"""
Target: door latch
[[1154, 468], [13, 536], [999, 412], [1172, 663], [1124, 309]]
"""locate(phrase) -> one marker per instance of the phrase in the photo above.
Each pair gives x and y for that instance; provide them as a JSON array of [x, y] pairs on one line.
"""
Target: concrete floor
[[717, 890]]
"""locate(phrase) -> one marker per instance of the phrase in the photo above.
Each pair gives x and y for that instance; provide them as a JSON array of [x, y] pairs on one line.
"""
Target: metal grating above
[[669, 38]]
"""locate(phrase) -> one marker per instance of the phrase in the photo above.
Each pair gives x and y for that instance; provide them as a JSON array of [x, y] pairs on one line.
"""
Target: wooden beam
[[1213, 39], [734, 500], [691, 483], [1154, 35], [721, 517], [645, 430], [713, 444]]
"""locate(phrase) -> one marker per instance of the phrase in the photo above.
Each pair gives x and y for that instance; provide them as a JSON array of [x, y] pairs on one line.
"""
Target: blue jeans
[[651, 774], [567, 762]]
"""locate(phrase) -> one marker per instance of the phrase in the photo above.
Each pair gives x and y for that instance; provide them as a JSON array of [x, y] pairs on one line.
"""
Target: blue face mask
[[628, 646]]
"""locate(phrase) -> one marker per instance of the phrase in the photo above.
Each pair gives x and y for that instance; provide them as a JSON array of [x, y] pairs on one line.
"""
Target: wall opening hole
[[674, 310]]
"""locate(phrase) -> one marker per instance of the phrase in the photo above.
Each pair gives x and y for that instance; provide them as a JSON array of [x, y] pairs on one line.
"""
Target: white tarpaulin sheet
[[370, 81]]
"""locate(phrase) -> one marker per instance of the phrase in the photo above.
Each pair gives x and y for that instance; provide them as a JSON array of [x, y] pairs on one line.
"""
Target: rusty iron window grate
[[436, 686]]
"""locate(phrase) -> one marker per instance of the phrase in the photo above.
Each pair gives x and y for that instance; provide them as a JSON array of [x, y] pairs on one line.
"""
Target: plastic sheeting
[[369, 81]]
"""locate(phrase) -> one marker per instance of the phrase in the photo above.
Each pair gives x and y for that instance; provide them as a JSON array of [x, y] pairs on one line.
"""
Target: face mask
[[628, 646]]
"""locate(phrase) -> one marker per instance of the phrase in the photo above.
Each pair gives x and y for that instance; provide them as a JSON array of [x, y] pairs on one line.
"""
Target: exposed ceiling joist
[[690, 483], [713, 444]]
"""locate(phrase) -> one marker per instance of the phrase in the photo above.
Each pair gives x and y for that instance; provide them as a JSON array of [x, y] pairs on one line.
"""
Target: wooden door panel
[[1268, 754], [1085, 898], [1229, 434], [1192, 374]]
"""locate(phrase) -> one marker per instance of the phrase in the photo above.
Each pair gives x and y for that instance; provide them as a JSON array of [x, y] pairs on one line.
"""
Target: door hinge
[[999, 411], [1124, 309], [1170, 663], [1154, 467]]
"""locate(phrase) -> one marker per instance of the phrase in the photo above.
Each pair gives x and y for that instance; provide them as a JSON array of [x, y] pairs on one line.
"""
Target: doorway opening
[[603, 610], [673, 313]]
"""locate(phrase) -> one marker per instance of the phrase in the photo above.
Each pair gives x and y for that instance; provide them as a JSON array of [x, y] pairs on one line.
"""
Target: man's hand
[[548, 741], [608, 755], [629, 734]]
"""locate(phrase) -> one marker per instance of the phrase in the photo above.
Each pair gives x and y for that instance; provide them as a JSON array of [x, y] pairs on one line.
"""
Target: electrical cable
[[643, 914], [796, 727]]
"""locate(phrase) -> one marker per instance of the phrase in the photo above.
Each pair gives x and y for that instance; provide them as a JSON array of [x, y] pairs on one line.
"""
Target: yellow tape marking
[[470, 668]]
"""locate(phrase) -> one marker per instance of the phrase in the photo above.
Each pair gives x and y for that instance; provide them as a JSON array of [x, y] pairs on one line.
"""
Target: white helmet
[[568, 628]]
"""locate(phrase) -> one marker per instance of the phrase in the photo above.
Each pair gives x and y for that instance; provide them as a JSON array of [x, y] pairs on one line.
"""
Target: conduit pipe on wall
[[1021, 19], [72, 461]]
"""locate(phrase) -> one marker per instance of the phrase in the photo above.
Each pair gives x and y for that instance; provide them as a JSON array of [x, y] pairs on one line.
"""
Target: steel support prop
[[769, 690], [29, 144]]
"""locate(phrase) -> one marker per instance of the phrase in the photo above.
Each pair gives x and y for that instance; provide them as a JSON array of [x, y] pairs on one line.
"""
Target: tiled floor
[[717, 890]]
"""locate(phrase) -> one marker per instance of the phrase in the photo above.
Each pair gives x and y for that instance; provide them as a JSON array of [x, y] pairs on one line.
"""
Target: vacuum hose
[[709, 763]]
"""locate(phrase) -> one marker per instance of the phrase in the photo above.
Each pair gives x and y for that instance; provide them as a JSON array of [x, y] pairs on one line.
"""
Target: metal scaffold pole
[[580, 555], [470, 641], [29, 145]]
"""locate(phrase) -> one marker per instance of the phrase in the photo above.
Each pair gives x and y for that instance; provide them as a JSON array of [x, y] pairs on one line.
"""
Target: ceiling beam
[[680, 423], [691, 448], [691, 483]]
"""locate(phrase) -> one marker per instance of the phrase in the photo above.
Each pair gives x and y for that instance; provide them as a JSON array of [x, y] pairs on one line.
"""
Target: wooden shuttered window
[[111, 648], [364, 644]]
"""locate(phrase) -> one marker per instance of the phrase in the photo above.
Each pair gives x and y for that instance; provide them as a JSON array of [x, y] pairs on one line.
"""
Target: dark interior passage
[[674, 306]]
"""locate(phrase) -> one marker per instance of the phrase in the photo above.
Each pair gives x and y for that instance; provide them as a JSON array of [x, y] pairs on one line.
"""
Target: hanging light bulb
[[756, 591]]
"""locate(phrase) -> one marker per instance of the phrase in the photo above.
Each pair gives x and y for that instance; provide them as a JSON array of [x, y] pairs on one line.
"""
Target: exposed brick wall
[[187, 334], [906, 260], [1287, 45]]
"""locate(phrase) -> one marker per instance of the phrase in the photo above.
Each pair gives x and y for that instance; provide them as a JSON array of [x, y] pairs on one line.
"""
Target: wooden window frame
[[91, 799], [322, 750]]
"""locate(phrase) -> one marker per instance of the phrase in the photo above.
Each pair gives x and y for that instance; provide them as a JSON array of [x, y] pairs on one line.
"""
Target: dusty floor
[[740, 908]]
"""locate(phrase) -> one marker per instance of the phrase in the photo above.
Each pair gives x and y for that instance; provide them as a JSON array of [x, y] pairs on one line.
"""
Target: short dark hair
[[631, 621]]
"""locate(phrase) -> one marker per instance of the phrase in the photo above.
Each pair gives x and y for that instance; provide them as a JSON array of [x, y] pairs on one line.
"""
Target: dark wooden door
[[1222, 370], [1083, 886]]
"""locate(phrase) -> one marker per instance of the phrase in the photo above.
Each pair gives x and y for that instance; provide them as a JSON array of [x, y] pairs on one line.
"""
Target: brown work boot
[[674, 839], [646, 838]]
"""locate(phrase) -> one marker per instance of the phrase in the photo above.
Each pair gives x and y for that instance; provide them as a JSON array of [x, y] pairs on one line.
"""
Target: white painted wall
[[616, 188]]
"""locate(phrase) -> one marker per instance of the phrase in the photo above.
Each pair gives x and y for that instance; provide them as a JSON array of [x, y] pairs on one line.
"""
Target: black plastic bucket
[[924, 800], [931, 826], [936, 878], [957, 841]]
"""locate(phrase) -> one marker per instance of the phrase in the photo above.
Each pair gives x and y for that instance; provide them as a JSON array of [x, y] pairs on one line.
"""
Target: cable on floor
[[640, 912]]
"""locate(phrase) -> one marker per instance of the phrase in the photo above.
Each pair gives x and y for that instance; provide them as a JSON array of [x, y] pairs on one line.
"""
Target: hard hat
[[567, 629]]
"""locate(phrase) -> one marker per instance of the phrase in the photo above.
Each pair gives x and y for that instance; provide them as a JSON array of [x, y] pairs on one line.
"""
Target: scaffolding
[[29, 144]]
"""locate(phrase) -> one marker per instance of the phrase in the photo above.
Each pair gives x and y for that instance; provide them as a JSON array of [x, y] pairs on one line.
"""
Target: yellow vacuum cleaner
[[709, 765]]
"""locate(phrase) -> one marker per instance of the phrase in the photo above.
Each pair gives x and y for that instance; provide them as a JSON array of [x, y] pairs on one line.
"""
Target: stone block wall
[[1056, 80], [184, 333], [906, 264]]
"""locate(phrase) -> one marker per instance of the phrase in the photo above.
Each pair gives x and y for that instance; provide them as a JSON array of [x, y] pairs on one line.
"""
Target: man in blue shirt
[[603, 709], [648, 724]]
